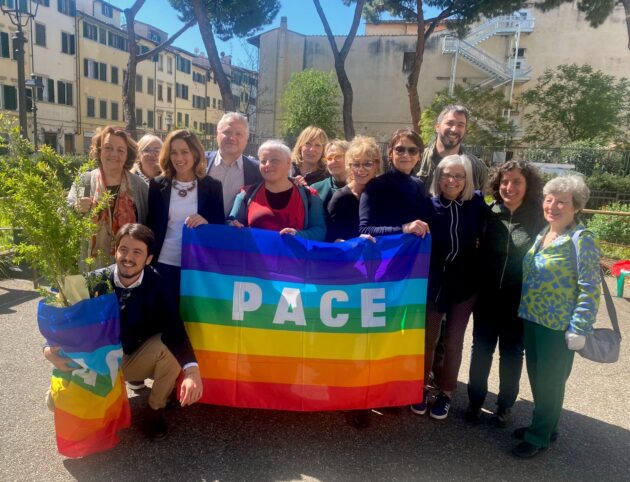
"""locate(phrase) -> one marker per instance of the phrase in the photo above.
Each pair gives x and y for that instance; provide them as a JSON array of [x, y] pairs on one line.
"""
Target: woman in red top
[[277, 203]]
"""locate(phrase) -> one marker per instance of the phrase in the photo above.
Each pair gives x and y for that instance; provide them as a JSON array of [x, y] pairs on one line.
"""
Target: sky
[[301, 17]]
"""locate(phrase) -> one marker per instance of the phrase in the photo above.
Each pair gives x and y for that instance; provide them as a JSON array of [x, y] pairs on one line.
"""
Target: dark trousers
[[171, 277], [549, 364], [496, 321], [457, 316]]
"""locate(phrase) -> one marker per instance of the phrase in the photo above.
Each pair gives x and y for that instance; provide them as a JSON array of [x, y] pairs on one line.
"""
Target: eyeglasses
[[366, 165], [451, 177], [151, 151], [412, 151], [124, 296]]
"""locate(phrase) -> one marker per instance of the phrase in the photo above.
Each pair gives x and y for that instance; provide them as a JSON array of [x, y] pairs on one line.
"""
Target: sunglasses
[[366, 165], [412, 151]]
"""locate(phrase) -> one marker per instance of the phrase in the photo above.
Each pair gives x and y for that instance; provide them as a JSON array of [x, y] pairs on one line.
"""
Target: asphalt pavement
[[208, 443]]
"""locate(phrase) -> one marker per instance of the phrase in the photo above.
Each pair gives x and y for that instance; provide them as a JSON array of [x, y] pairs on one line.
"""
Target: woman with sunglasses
[[147, 165], [182, 195], [363, 160], [457, 218], [395, 202]]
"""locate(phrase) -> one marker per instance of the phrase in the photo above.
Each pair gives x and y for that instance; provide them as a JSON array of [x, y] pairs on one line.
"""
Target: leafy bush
[[608, 182], [610, 228]]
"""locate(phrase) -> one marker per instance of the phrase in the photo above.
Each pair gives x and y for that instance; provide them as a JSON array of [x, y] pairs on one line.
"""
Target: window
[[114, 75], [114, 111], [181, 91], [187, 120], [67, 7], [43, 3], [102, 109], [64, 93], [155, 36], [150, 119], [198, 102], [169, 94], [107, 10], [90, 107], [219, 104], [179, 119], [214, 103], [117, 41], [138, 83], [9, 97], [408, 60], [40, 34], [183, 65], [141, 49], [169, 65], [94, 70], [149, 86], [39, 93], [51, 90], [90, 31], [102, 36], [521, 52], [199, 78], [67, 43], [160, 63], [139, 117], [159, 92], [5, 46], [195, 125]]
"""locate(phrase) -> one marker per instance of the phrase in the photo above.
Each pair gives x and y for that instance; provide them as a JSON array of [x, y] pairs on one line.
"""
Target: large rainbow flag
[[90, 402], [284, 323]]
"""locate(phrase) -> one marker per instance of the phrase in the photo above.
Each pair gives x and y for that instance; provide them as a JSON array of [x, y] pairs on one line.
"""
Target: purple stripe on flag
[[280, 268], [83, 338]]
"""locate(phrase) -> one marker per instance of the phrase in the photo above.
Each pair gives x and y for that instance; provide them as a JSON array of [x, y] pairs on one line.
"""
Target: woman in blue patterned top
[[559, 301]]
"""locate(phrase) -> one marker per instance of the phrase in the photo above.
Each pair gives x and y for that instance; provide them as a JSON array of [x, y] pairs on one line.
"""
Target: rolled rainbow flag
[[90, 402], [280, 322]]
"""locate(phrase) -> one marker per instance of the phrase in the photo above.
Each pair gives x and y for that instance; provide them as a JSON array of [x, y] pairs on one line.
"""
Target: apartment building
[[79, 51], [507, 53]]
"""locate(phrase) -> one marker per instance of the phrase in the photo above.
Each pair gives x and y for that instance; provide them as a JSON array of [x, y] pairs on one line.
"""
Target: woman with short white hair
[[278, 203], [456, 221], [559, 300], [147, 165]]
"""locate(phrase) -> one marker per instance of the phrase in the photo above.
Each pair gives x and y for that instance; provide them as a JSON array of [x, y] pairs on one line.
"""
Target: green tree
[[310, 98], [463, 12], [597, 11], [573, 103], [135, 57], [226, 18], [340, 61], [487, 126]]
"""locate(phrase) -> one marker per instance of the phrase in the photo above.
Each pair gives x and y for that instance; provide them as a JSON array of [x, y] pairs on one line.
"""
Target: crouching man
[[152, 334]]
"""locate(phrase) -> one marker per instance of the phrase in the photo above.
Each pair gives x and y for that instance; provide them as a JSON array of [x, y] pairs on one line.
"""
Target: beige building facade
[[507, 53], [79, 51]]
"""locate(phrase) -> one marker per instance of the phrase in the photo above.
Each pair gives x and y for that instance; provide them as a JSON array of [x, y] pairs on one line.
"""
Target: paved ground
[[214, 443]]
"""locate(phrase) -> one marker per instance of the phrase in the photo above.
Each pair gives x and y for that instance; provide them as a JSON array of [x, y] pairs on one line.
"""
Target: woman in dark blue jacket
[[456, 221], [182, 195]]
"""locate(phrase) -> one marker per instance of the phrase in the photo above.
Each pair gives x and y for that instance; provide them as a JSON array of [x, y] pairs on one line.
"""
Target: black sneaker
[[472, 414], [525, 450], [440, 408], [359, 419], [155, 426], [421, 408], [502, 417]]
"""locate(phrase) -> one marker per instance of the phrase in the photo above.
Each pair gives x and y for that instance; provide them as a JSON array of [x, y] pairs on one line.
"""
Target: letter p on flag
[[246, 297]]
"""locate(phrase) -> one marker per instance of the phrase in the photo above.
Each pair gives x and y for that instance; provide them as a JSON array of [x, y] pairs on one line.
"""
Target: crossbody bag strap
[[610, 305]]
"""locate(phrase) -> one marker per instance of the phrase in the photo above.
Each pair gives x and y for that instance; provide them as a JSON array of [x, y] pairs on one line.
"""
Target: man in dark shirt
[[450, 130], [154, 340]]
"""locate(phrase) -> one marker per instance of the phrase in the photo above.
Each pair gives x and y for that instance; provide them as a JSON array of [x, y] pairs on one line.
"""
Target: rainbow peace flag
[[90, 402], [283, 323]]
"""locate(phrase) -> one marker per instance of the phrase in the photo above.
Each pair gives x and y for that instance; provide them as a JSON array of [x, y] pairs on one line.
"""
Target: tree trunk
[[348, 96], [129, 81], [213, 55], [414, 75]]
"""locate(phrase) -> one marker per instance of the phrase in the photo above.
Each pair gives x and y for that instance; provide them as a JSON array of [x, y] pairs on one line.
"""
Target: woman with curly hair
[[514, 219], [114, 152]]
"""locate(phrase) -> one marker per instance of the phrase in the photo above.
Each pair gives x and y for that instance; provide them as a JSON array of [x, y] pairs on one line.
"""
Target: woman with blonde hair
[[335, 155], [308, 156], [147, 164], [114, 152], [363, 163], [182, 195]]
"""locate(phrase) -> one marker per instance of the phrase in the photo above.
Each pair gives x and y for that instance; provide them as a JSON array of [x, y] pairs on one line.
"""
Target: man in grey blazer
[[228, 164]]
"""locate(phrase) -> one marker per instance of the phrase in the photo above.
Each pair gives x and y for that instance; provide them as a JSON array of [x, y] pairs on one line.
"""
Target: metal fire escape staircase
[[499, 72]]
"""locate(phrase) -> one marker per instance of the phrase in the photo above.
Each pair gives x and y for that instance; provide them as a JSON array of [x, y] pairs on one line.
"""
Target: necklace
[[183, 191]]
